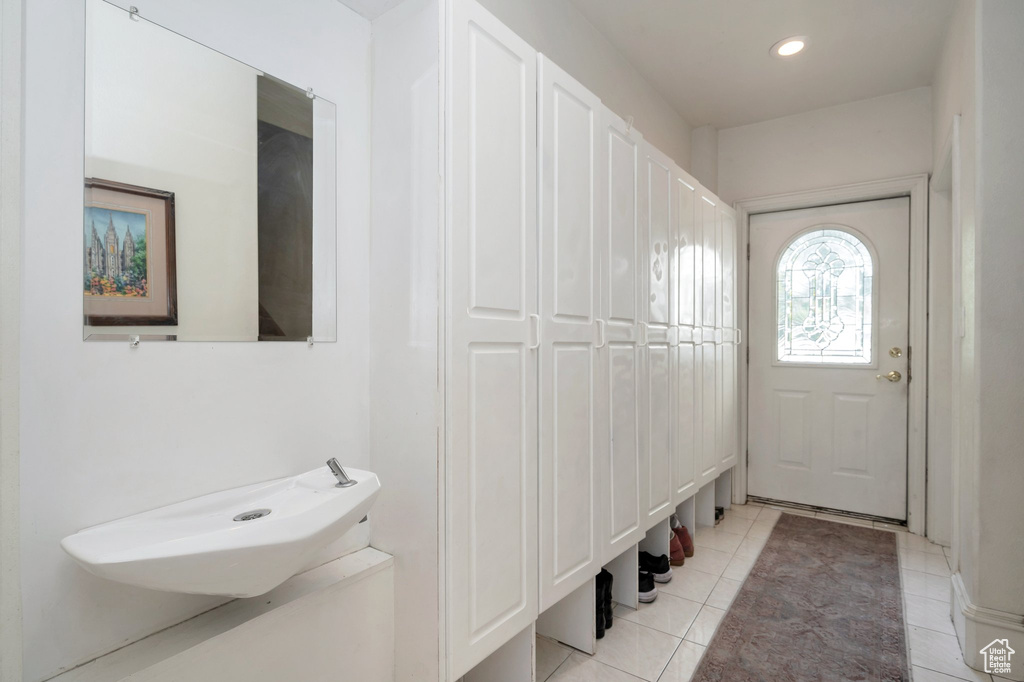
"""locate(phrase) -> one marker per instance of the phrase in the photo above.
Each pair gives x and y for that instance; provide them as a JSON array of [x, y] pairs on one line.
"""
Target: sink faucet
[[339, 473]]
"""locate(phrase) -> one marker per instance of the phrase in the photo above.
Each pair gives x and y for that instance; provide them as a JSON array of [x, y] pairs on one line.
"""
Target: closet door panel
[[685, 440], [728, 427], [622, 230], [727, 219], [687, 253], [709, 403], [729, 424], [719, 337], [570, 440], [684, 467], [709, 408], [621, 285], [492, 369], [657, 232], [709, 256], [658, 401], [623, 482]]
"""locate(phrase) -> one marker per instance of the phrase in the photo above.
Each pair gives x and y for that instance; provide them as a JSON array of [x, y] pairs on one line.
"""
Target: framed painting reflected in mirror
[[211, 193], [129, 266]]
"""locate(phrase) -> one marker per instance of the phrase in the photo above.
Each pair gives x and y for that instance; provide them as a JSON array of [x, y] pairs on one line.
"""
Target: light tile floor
[[664, 641]]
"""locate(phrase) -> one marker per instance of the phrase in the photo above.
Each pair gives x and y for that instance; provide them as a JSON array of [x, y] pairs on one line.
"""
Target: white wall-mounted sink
[[226, 543]]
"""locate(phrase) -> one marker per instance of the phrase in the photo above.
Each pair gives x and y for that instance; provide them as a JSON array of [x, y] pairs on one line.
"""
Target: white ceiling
[[371, 9], [710, 58]]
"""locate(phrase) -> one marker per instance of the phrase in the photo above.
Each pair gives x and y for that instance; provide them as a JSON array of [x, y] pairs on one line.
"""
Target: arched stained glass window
[[824, 299]]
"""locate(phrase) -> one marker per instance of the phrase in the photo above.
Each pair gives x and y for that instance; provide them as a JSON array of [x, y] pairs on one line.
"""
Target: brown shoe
[[676, 555], [684, 540]]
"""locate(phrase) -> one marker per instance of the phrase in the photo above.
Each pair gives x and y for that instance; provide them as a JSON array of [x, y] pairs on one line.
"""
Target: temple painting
[[115, 263]]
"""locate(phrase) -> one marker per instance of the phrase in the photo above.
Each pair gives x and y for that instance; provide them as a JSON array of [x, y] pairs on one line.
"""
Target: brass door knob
[[892, 376]]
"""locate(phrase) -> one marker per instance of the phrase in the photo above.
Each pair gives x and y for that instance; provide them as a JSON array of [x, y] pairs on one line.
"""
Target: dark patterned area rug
[[822, 602]]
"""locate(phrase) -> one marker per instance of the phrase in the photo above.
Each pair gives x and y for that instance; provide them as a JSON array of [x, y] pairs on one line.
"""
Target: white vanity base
[[333, 622]]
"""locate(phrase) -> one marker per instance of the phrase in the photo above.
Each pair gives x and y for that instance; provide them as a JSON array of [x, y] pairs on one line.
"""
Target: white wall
[[999, 320], [884, 137], [107, 431], [405, 256], [562, 33], [978, 76], [873, 139], [11, 125], [192, 131], [952, 93], [939, 510], [704, 156]]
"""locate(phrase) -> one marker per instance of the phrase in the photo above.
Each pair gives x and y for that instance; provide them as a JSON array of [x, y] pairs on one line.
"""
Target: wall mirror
[[210, 193]]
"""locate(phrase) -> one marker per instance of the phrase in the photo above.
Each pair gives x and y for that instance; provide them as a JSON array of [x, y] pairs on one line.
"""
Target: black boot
[[600, 589], [609, 579]]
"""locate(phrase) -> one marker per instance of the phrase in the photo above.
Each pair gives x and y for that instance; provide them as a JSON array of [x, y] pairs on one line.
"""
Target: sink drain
[[251, 515]]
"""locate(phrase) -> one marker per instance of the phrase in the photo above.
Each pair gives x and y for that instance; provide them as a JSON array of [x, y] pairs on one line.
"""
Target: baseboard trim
[[980, 614], [976, 626]]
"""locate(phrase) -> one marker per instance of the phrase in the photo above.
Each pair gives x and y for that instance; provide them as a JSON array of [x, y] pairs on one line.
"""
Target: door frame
[[916, 188]]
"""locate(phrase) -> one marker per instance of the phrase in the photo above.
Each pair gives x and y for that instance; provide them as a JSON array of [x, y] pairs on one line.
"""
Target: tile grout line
[[732, 556], [903, 603], [900, 549], [690, 626], [558, 667], [703, 604], [900, 569], [942, 672], [669, 661], [906, 617], [609, 665], [718, 579]]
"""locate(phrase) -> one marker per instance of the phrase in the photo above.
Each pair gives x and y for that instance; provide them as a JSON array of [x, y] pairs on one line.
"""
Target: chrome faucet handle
[[339, 473]]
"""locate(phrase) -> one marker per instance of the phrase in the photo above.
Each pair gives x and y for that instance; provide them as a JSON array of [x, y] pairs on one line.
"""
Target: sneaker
[[647, 591], [719, 514], [657, 566], [685, 540], [676, 555]]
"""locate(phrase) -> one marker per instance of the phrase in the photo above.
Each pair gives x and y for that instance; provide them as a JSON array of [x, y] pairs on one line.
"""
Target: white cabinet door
[[708, 241], [621, 284], [684, 440], [657, 400], [727, 350], [570, 295], [492, 367]]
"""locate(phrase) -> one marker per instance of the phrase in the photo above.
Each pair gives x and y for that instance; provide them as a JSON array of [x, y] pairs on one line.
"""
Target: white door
[[727, 388], [685, 440], [706, 279], [570, 295], [829, 303], [492, 370], [619, 352], [657, 400]]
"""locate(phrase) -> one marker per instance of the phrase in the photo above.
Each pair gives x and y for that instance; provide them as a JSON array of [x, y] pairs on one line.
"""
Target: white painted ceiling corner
[[711, 60], [371, 9]]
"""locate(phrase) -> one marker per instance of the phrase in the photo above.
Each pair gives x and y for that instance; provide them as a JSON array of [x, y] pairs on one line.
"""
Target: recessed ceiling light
[[788, 47]]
